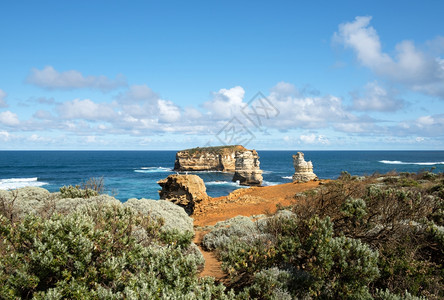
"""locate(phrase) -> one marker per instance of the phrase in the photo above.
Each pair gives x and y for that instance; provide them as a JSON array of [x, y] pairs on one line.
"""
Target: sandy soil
[[245, 202]]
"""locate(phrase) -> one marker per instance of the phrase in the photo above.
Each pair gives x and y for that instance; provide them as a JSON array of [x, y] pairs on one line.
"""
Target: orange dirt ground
[[245, 202]]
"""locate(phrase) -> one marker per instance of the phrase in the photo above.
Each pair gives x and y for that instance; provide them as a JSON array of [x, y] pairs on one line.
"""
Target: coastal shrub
[[398, 220], [76, 192], [387, 295], [378, 237], [354, 210], [225, 231], [67, 205], [270, 283], [27, 200], [96, 184], [299, 258], [92, 254], [7, 207], [173, 215]]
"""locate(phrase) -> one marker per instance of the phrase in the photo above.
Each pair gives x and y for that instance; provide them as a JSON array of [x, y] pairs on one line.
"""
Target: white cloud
[[2, 99], [137, 94], [285, 89], [50, 78], [226, 103], [424, 126], [306, 112], [376, 98], [4, 135], [168, 111], [425, 121], [190, 114], [91, 139], [414, 68], [86, 109], [139, 101], [9, 118], [35, 138], [314, 139], [43, 115]]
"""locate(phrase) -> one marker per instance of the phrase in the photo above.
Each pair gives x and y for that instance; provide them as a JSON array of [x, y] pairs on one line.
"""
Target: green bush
[[93, 254], [307, 260], [77, 192]]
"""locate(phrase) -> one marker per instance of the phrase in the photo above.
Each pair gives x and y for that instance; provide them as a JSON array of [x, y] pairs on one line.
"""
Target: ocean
[[134, 174]]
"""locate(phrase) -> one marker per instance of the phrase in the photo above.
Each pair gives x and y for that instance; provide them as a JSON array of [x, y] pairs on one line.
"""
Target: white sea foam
[[15, 183], [269, 183], [398, 162], [287, 177], [222, 182], [153, 170]]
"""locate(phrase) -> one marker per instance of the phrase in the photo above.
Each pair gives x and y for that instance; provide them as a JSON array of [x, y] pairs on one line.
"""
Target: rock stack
[[247, 170], [183, 190], [221, 158], [303, 169]]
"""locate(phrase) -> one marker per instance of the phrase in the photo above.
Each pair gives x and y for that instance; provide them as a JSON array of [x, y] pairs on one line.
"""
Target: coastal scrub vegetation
[[98, 249], [375, 237], [90, 188]]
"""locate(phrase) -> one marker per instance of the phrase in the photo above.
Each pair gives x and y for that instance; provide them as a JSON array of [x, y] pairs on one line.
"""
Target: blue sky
[[170, 75]]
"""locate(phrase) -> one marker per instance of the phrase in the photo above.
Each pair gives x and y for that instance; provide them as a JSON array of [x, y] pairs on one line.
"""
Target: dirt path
[[245, 202]]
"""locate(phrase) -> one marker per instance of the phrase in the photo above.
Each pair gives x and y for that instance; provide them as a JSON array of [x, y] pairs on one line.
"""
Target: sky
[[158, 75]]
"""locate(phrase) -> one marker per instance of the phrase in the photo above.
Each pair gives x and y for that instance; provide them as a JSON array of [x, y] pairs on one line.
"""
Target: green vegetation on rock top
[[216, 149]]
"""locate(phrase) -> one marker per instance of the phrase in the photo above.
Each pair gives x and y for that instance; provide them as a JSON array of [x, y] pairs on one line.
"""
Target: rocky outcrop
[[247, 170], [303, 169], [183, 190], [207, 159]]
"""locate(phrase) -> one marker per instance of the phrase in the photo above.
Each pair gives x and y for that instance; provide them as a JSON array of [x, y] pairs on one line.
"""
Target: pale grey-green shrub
[[90, 254], [26, 200], [224, 231], [270, 284], [387, 295], [173, 215], [39, 201], [66, 205]]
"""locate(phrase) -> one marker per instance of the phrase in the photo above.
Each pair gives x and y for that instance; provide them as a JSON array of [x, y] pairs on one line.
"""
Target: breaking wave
[[287, 177], [269, 183], [153, 170], [226, 183], [16, 183], [398, 162]]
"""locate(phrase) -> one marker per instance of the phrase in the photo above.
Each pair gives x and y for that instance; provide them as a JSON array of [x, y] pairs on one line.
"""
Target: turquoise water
[[134, 174]]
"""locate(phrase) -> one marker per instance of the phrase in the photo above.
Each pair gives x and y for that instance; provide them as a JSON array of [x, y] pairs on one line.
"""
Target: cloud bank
[[416, 69], [50, 78]]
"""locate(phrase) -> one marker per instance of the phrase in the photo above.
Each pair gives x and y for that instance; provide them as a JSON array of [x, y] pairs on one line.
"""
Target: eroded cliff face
[[183, 190], [207, 159], [247, 170], [303, 169]]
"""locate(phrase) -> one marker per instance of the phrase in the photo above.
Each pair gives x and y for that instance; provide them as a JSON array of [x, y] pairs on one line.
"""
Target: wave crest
[[16, 183], [153, 170], [398, 162]]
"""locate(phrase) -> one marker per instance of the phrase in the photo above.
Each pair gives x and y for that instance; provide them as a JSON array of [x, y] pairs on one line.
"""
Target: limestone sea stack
[[247, 170], [303, 169], [183, 190], [220, 158]]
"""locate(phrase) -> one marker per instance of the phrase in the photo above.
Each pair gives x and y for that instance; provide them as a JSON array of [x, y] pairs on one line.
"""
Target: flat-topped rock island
[[244, 163]]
